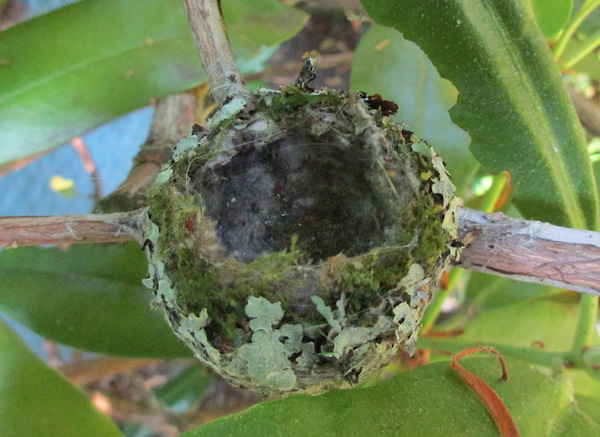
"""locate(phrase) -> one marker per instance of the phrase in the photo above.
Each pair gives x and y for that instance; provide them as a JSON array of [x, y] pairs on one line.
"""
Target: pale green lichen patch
[[442, 185], [263, 313], [266, 359], [352, 337], [191, 330], [179, 149], [165, 175], [228, 111], [327, 313], [406, 315], [295, 243]]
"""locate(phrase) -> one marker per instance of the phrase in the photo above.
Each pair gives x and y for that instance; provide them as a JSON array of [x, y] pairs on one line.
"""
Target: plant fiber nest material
[[295, 241]]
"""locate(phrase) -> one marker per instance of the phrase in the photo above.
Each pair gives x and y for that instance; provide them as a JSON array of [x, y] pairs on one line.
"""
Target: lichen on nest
[[295, 242]]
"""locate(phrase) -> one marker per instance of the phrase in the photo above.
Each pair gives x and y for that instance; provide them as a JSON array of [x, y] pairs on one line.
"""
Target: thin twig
[[215, 51]]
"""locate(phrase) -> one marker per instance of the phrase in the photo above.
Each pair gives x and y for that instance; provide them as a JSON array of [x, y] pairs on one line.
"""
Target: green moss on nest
[[291, 98], [319, 208]]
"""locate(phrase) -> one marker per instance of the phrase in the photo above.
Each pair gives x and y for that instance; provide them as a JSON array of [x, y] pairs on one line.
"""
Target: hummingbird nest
[[295, 241]]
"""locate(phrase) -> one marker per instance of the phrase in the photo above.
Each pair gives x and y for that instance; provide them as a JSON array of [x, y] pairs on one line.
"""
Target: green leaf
[[485, 292], [512, 101], [551, 15], [35, 400], [525, 323], [517, 318], [587, 393], [253, 25], [591, 23], [71, 70], [589, 64], [386, 63], [596, 167], [89, 297], [427, 401]]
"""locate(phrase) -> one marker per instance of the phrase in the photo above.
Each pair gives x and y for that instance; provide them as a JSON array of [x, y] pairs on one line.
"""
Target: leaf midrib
[[556, 167], [31, 85]]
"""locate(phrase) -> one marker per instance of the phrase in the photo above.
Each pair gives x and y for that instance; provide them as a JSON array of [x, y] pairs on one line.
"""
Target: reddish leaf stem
[[488, 396]]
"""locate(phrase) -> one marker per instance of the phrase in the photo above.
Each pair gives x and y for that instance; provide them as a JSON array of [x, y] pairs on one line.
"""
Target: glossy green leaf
[[427, 401], [71, 70], [551, 15], [511, 99], [89, 297], [35, 400], [386, 63]]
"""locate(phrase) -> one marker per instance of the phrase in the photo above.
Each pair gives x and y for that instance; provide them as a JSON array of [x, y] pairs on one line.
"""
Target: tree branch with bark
[[525, 250]]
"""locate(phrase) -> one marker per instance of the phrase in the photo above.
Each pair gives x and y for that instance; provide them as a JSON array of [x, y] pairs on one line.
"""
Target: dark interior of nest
[[311, 189]]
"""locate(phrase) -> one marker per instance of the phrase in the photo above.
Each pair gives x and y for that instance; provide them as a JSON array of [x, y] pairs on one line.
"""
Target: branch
[[524, 250], [530, 251], [69, 229], [171, 121], [215, 51]]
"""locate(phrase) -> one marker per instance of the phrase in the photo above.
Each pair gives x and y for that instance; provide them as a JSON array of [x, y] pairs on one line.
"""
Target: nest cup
[[295, 242]]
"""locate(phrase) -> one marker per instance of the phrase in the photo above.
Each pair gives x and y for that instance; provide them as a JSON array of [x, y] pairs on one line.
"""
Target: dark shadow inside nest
[[314, 188]]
